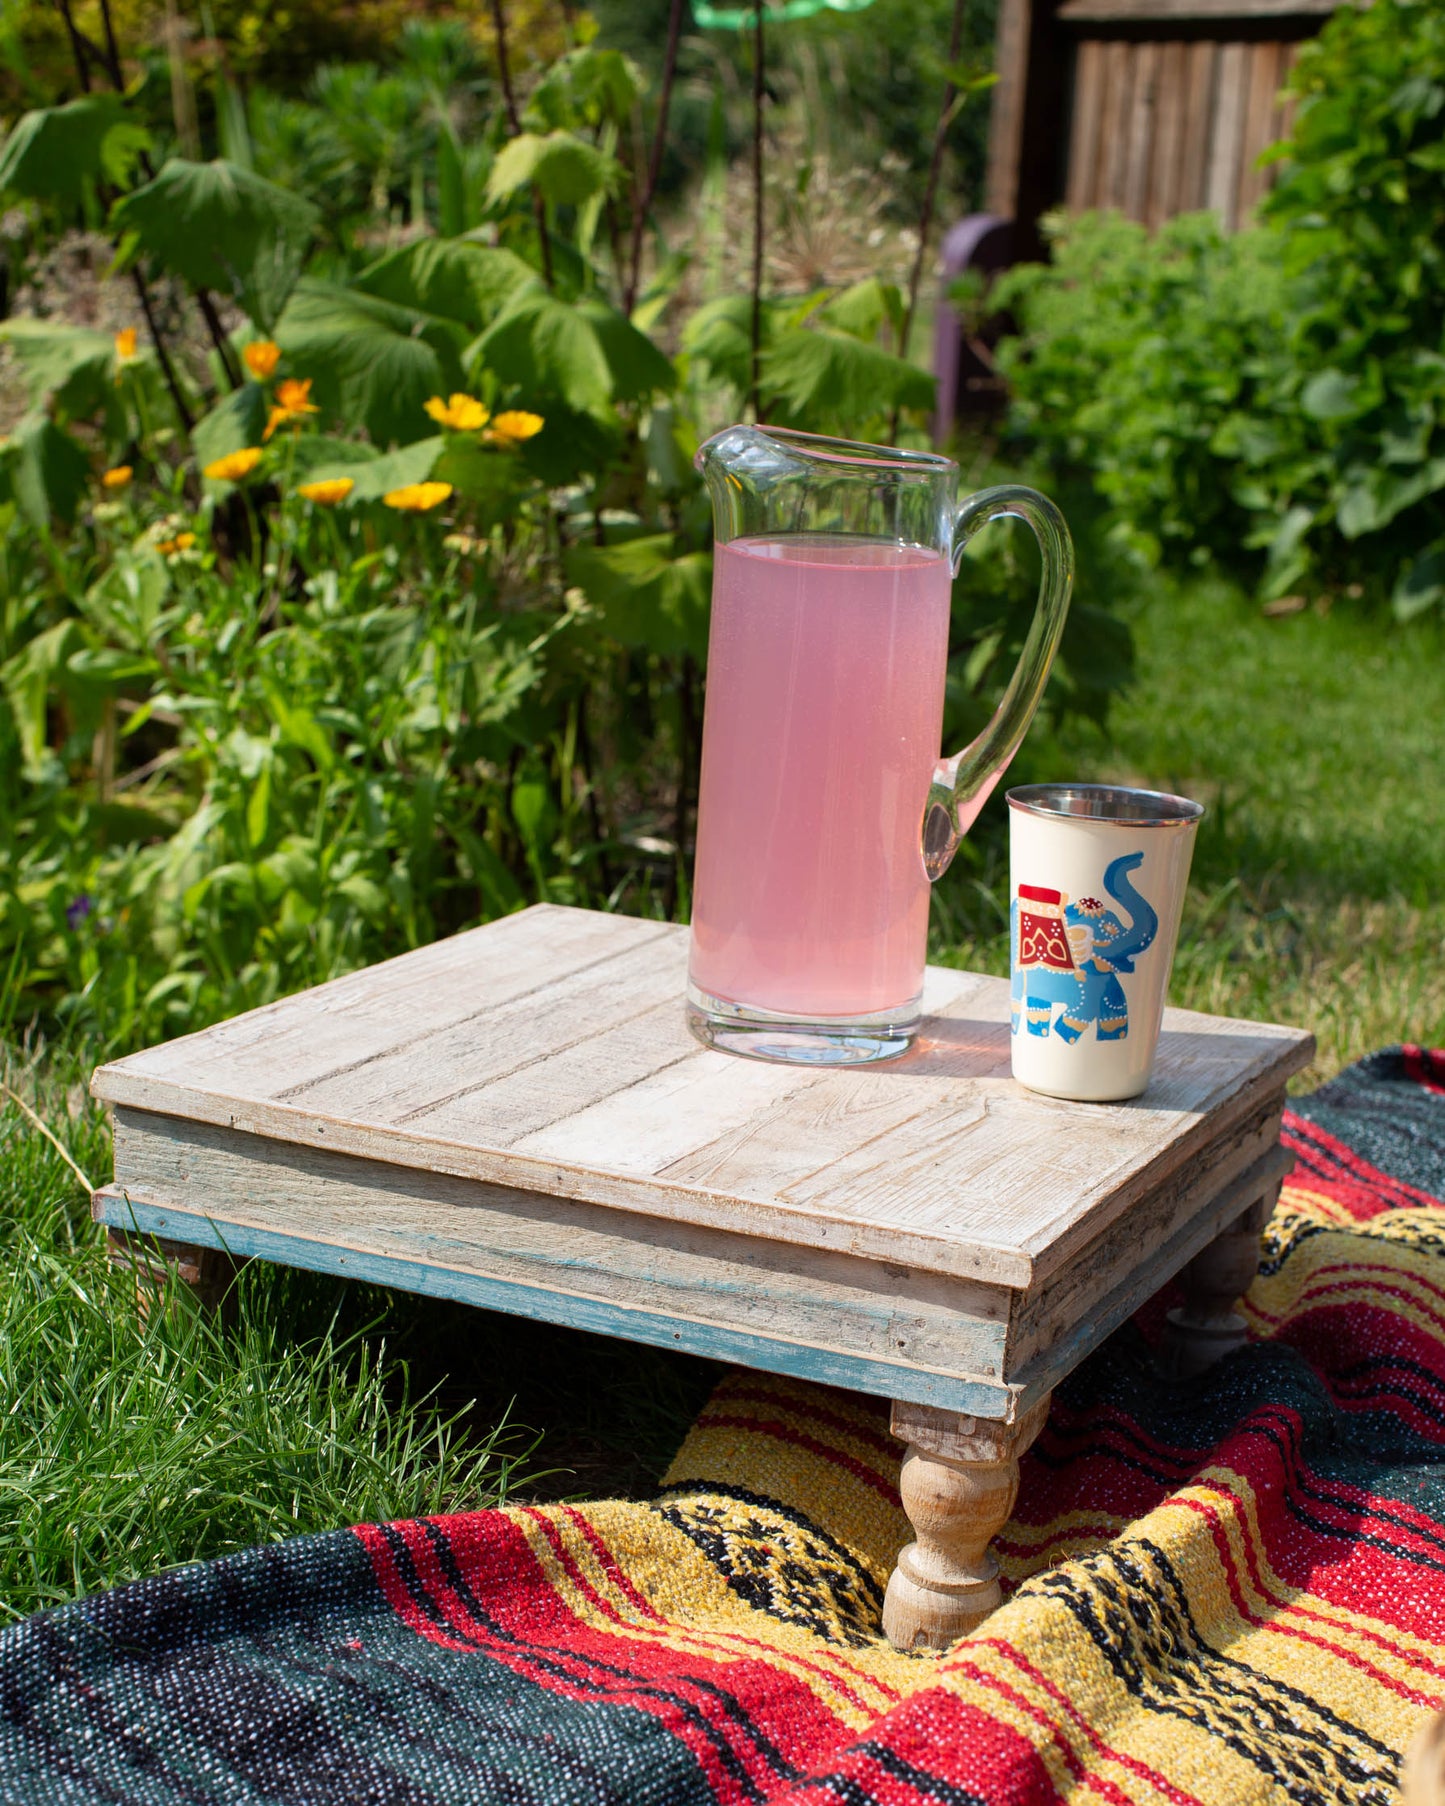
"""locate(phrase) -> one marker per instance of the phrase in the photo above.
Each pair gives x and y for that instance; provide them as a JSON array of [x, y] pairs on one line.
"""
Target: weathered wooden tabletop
[[518, 1116]]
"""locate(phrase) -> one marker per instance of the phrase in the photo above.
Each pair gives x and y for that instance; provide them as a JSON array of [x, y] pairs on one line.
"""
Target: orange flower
[[262, 358], [417, 498], [181, 543], [293, 402], [125, 345], [327, 492], [117, 477], [462, 413], [513, 427], [234, 465]]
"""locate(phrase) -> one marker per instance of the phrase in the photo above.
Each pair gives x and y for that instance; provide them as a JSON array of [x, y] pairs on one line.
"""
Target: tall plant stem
[[514, 123], [111, 63], [930, 193], [757, 324], [163, 356], [642, 197], [78, 46], [78, 43]]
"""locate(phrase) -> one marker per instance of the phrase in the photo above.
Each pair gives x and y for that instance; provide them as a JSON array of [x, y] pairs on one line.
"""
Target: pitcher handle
[[961, 785]]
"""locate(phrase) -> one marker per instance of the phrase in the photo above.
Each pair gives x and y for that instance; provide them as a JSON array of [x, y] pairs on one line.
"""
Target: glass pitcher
[[825, 811]]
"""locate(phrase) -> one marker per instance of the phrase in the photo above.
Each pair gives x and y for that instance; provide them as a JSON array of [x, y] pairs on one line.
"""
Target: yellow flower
[[416, 498], [293, 402], [181, 543], [328, 491], [125, 345], [234, 465], [262, 358], [462, 413], [513, 427], [117, 477]]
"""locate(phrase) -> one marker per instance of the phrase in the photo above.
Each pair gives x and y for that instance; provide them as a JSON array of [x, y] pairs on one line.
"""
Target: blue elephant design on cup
[[1072, 954]]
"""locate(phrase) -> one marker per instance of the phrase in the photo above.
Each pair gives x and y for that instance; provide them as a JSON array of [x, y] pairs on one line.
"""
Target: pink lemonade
[[824, 712]]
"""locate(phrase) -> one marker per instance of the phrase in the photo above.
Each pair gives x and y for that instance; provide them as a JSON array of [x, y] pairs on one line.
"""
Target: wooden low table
[[518, 1118]]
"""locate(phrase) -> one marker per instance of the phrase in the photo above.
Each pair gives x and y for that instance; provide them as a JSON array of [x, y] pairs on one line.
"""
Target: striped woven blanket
[[1227, 1591]]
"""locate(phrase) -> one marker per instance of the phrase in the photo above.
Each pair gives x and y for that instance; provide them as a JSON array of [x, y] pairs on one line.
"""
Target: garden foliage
[[1274, 400], [372, 600]]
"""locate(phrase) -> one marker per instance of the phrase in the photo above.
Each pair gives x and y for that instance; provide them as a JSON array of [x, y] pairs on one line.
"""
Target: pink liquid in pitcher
[[824, 711]]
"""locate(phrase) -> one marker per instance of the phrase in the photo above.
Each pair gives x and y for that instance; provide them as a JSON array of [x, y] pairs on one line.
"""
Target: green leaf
[[719, 336], [374, 365], [454, 278], [299, 727], [49, 473], [258, 807], [26, 680], [825, 377], [862, 309], [451, 185], [224, 228], [375, 476], [71, 366], [1421, 584], [565, 168], [638, 369], [545, 347], [532, 808], [646, 595], [586, 87], [234, 423], [52, 152], [1331, 395]]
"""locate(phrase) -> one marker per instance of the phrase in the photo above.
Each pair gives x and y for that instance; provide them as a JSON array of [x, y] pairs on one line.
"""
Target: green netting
[[775, 12]]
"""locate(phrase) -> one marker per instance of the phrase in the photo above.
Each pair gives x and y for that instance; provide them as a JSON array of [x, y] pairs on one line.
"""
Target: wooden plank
[[542, 1091], [1200, 81], [394, 1005], [1138, 1283], [884, 1311], [1006, 117], [1285, 105], [1165, 172], [453, 1063], [1084, 125], [1258, 113], [1185, 12], [1114, 122], [1226, 141], [712, 1341], [1140, 129], [1086, 1271]]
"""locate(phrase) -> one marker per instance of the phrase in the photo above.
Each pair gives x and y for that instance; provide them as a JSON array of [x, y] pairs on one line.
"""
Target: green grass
[[1317, 893], [130, 1443]]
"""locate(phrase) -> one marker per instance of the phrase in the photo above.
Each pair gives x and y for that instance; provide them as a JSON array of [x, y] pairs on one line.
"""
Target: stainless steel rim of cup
[[1106, 803]]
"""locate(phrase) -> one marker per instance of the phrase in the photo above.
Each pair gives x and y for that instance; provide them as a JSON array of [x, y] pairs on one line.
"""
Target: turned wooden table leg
[[1206, 1326], [1422, 1778], [959, 1479]]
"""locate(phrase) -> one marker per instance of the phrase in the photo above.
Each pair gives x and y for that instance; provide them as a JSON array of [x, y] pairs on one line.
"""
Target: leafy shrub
[[387, 612], [1272, 400]]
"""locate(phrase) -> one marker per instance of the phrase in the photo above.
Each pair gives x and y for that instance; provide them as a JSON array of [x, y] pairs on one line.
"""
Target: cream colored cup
[[1096, 886]]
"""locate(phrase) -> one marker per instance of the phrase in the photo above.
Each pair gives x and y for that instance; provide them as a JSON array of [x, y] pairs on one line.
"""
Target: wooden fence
[[1153, 107]]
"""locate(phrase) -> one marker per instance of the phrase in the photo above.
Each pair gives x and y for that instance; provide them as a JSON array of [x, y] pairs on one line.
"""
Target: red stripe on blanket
[[879, 1440], [780, 1432], [936, 1748], [709, 1707], [1305, 1138], [1426, 1066]]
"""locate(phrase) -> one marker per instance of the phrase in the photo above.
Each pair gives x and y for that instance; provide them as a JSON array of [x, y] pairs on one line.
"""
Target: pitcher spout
[[774, 479]]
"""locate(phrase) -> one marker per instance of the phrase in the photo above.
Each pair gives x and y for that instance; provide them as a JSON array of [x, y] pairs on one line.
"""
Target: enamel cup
[[1096, 883]]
